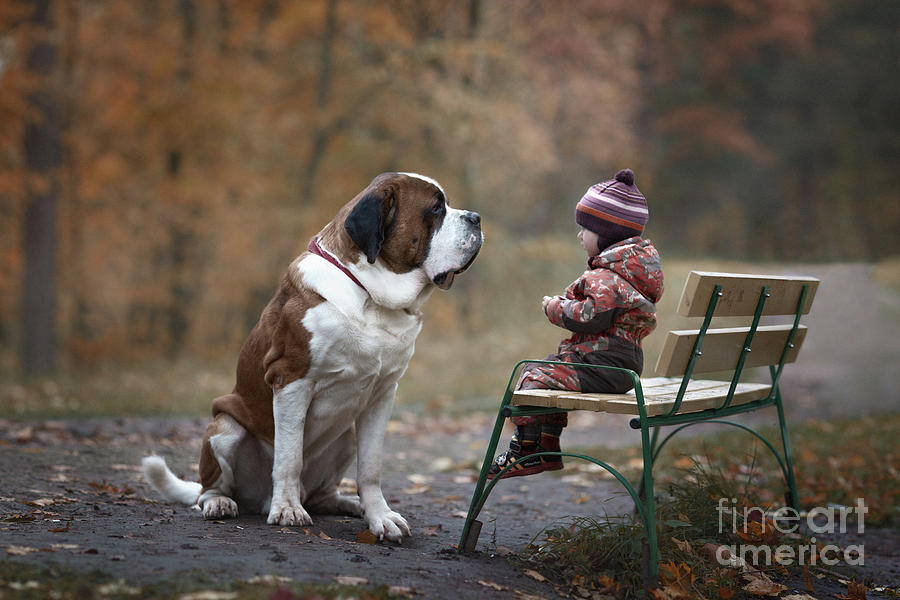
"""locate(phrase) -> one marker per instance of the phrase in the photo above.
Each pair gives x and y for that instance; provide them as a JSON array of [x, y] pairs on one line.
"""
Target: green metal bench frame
[[643, 497]]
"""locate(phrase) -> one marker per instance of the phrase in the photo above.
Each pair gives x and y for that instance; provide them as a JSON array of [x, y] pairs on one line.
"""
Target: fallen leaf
[[417, 488], [445, 463], [683, 545], [676, 582], [324, 536], [366, 537], [350, 580], [607, 584], [400, 591], [209, 595], [18, 518], [722, 555], [492, 585], [520, 595], [268, 580], [535, 575], [683, 463], [798, 597], [117, 588], [856, 591], [42, 502], [65, 546], [28, 585], [431, 530], [760, 585], [109, 489], [20, 550], [24, 435]]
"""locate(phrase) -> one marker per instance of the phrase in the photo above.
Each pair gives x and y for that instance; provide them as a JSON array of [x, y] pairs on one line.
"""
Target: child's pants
[[547, 377], [538, 376]]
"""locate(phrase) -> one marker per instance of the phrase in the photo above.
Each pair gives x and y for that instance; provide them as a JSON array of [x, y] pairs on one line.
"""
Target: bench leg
[[651, 549], [653, 441], [791, 498], [472, 527]]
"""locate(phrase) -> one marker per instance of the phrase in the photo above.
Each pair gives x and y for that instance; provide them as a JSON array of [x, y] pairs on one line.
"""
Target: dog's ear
[[371, 219]]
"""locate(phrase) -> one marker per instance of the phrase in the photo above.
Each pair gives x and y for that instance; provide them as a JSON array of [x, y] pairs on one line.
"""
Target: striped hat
[[615, 210]]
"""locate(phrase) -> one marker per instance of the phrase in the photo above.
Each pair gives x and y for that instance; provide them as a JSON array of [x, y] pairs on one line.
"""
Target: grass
[[41, 582], [585, 556], [606, 554], [835, 463]]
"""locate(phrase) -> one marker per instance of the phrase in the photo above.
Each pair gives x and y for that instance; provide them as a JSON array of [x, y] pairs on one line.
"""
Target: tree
[[43, 159]]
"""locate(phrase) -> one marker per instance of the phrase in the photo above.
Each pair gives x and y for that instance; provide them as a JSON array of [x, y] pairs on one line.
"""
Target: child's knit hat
[[615, 210]]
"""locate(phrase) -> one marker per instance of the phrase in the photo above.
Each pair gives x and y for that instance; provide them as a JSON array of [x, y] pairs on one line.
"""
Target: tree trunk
[[323, 131], [43, 159]]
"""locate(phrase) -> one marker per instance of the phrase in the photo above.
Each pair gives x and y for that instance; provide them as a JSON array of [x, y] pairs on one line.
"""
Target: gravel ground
[[72, 495]]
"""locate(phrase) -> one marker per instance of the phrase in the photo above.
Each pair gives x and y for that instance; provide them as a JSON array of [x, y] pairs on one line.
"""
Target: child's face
[[589, 241]]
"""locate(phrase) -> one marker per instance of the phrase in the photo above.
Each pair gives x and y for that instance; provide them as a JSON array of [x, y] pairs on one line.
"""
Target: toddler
[[608, 310]]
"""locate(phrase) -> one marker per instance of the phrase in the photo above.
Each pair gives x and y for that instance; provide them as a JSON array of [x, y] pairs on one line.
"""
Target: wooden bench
[[675, 398]]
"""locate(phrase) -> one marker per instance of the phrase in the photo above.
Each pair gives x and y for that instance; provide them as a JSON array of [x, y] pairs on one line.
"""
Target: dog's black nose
[[472, 217]]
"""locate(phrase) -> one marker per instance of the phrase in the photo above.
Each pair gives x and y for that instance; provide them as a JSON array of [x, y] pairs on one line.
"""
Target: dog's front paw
[[219, 507], [388, 526], [288, 516]]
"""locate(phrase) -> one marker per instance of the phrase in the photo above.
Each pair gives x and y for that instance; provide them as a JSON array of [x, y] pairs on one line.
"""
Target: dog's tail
[[167, 484]]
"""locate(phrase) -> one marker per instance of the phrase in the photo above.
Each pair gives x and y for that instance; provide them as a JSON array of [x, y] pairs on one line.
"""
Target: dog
[[317, 375]]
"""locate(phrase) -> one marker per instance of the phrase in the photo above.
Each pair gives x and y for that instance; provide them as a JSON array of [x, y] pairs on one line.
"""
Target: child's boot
[[549, 442], [524, 442]]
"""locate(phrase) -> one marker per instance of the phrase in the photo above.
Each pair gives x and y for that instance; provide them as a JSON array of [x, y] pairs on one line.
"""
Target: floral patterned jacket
[[610, 309]]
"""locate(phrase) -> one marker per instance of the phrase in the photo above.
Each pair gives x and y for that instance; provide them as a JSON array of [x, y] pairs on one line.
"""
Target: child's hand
[[545, 302]]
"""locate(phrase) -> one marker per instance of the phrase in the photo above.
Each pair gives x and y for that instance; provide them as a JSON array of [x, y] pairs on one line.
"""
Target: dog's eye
[[437, 209]]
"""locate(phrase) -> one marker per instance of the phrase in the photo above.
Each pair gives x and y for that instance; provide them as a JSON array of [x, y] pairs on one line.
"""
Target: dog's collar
[[316, 249]]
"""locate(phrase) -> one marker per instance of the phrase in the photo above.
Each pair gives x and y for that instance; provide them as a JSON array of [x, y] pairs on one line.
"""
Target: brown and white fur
[[317, 375]]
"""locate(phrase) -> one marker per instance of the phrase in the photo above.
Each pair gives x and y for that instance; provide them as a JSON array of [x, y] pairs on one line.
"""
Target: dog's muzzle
[[465, 249]]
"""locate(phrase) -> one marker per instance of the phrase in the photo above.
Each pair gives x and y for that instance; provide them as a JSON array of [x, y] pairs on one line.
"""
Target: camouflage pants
[[548, 377]]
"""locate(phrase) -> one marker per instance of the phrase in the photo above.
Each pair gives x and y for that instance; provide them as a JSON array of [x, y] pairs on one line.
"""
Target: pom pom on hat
[[625, 176], [615, 210]]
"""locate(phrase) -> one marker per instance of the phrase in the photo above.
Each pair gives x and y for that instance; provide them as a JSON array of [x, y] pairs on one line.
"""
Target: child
[[609, 310]]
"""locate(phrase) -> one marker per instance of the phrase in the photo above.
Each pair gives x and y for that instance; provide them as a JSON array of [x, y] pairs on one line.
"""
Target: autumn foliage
[[202, 142]]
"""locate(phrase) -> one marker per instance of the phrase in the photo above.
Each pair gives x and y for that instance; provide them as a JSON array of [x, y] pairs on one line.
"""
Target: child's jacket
[[609, 310]]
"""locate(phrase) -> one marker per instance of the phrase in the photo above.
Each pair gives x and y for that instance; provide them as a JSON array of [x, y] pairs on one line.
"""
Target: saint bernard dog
[[317, 375]]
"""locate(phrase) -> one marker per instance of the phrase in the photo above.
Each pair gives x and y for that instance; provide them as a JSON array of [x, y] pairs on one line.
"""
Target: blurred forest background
[[161, 162]]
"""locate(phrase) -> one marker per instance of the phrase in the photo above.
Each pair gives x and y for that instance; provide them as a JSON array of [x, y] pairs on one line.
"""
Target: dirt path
[[72, 495]]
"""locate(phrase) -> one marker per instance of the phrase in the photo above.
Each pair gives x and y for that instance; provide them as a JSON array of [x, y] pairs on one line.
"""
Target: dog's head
[[404, 221]]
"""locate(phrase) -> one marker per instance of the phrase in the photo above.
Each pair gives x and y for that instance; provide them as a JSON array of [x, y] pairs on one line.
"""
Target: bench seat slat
[[700, 395]]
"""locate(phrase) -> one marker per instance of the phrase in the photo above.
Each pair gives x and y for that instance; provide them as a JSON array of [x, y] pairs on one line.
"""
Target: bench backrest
[[711, 295]]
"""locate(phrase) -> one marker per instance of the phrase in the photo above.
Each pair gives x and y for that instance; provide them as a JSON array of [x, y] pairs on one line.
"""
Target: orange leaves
[[855, 591], [763, 531], [110, 490], [676, 582], [759, 584], [718, 128], [366, 537]]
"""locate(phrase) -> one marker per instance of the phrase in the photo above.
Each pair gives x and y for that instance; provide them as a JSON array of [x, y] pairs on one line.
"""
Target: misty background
[[161, 163]]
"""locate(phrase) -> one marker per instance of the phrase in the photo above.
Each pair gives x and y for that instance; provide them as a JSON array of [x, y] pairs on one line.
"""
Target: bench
[[675, 397]]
